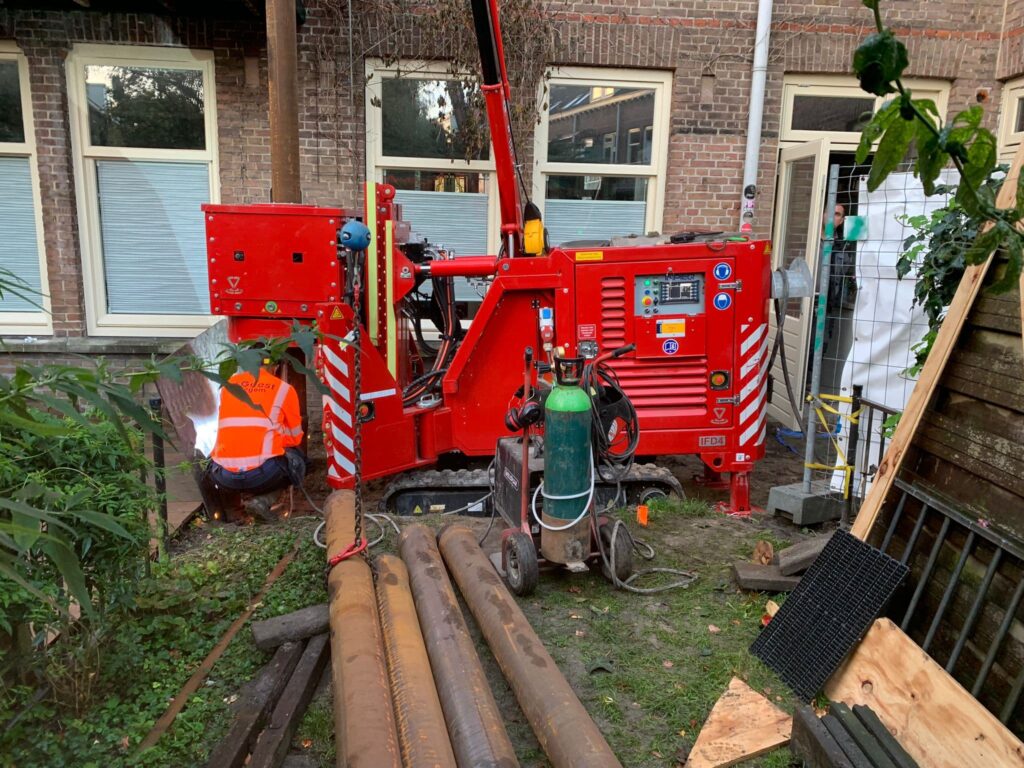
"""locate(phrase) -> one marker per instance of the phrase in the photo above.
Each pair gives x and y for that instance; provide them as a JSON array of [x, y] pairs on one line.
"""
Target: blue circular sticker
[[670, 346], [722, 271], [723, 301]]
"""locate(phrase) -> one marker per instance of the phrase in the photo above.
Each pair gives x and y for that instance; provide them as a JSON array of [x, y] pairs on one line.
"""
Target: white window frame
[[657, 80], [1012, 96], [377, 162], [99, 322], [39, 321], [843, 86]]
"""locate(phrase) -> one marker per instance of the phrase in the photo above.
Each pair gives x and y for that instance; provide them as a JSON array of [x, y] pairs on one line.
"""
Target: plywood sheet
[[930, 714], [742, 725]]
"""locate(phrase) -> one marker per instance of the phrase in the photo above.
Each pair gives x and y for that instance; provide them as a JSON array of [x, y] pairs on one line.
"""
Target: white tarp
[[886, 323]]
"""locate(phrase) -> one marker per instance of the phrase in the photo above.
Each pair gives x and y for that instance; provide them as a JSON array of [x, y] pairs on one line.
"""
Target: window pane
[[154, 246], [595, 207], [145, 107], [831, 113], [1018, 125], [20, 251], [448, 209], [433, 118], [599, 124], [12, 128]]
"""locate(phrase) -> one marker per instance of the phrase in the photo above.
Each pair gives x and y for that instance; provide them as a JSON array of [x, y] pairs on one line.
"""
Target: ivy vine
[[904, 122]]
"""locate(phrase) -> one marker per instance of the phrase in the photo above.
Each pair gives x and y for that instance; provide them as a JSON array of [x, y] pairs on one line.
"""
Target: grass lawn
[[647, 668]]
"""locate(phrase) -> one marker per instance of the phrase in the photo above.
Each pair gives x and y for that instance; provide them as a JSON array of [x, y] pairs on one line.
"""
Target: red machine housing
[[697, 312]]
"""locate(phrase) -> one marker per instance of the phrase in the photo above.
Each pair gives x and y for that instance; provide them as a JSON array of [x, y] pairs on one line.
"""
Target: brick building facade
[[702, 51]]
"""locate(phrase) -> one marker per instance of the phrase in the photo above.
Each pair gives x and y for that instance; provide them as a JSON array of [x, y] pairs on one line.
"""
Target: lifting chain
[[359, 544]]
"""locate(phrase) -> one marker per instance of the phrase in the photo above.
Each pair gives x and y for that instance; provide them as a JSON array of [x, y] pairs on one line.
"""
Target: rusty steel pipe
[[364, 722], [562, 726], [477, 730], [422, 735]]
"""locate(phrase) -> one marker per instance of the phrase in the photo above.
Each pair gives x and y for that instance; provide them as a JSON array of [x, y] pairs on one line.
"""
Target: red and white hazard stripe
[[753, 384], [336, 365]]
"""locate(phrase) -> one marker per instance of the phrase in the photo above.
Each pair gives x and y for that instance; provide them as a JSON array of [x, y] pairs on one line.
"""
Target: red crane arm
[[497, 94]]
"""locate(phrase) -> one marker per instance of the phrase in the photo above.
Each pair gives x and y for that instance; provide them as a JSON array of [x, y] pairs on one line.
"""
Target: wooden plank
[[866, 742], [896, 752], [960, 380], [763, 578], [988, 447], [254, 704], [920, 397], [968, 459], [743, 724], [798, 558], [297, 625], [1004, 508], [846, 743], [813, 743], [273, 743], [929, 713]]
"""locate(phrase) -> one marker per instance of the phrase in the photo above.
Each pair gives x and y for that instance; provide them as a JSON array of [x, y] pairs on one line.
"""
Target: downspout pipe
[[758, 75]]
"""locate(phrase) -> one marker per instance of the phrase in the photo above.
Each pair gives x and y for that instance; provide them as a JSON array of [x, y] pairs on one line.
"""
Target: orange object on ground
[[641, 514], [248, 436]]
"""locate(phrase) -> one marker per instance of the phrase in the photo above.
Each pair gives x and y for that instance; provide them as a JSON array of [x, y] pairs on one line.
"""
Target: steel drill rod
[[422, 735], [364, 722], [562, 726], [476, 727]]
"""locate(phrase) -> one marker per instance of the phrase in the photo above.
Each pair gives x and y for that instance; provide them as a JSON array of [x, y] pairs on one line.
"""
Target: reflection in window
[[594, 207], [581, 118], [12, 127], [1018, 126], [433, 119], [434, 181], [148, 107], [831, 113]]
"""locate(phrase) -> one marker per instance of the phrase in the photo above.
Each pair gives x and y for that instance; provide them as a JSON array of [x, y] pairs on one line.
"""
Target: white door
[[798, 230]]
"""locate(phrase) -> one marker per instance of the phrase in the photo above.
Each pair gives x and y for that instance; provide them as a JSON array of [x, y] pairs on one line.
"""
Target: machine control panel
[[668, 294]]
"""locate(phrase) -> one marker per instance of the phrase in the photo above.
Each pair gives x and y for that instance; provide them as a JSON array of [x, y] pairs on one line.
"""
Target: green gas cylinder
[[567, 465]]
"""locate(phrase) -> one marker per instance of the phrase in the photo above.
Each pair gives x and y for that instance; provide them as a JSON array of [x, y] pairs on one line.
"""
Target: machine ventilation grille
[[613, 312], [645, 383]]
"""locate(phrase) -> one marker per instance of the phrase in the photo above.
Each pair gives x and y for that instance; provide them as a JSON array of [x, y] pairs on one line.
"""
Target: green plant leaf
[[892, 149], [983, 246], [878, 61], [930, 158], [1014, 249], [102, 520], [874, 130], [63, 557]]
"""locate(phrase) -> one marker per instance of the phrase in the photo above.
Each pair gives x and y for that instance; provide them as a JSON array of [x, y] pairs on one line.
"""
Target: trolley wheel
[[521, 569], [647, 495], [623, 552]]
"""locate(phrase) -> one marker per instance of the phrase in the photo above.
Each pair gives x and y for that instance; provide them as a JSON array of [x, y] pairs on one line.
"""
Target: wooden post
[[282, 65], [920, 397]]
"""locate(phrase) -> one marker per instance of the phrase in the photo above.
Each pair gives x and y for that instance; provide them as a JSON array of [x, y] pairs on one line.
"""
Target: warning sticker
[[670, 328], [590, 256], [336, 314], [586, 332]]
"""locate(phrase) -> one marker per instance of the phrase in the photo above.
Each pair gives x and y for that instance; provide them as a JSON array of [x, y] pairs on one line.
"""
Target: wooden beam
[[743, 724], [813, 743], [297, 625], [936, 721], [272, 746], [920, 397], [256, 702]]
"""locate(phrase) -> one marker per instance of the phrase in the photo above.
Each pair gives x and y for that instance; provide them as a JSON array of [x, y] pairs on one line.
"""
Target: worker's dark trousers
[[273, 474]]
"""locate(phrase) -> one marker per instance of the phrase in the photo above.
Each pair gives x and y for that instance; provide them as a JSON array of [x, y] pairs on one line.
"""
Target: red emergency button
[[647, 301]]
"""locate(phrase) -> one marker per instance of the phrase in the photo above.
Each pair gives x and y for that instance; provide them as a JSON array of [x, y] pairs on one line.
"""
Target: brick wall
[[707, 44]]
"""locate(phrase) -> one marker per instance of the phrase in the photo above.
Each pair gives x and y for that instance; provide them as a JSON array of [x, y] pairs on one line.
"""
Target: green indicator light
[[647, 282]]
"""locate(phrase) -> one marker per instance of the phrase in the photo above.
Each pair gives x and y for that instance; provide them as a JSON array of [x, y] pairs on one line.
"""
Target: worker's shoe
[[261, 506]]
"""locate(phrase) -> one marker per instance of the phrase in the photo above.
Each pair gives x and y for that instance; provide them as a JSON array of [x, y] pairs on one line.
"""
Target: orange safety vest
[[247, 437]]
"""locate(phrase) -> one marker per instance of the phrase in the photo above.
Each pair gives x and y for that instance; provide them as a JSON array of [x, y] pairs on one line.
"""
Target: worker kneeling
[[257, 444]]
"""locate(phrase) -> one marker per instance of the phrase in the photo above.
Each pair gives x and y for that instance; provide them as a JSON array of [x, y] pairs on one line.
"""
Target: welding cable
[[596, 379], [589, 493], [688, 577]]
